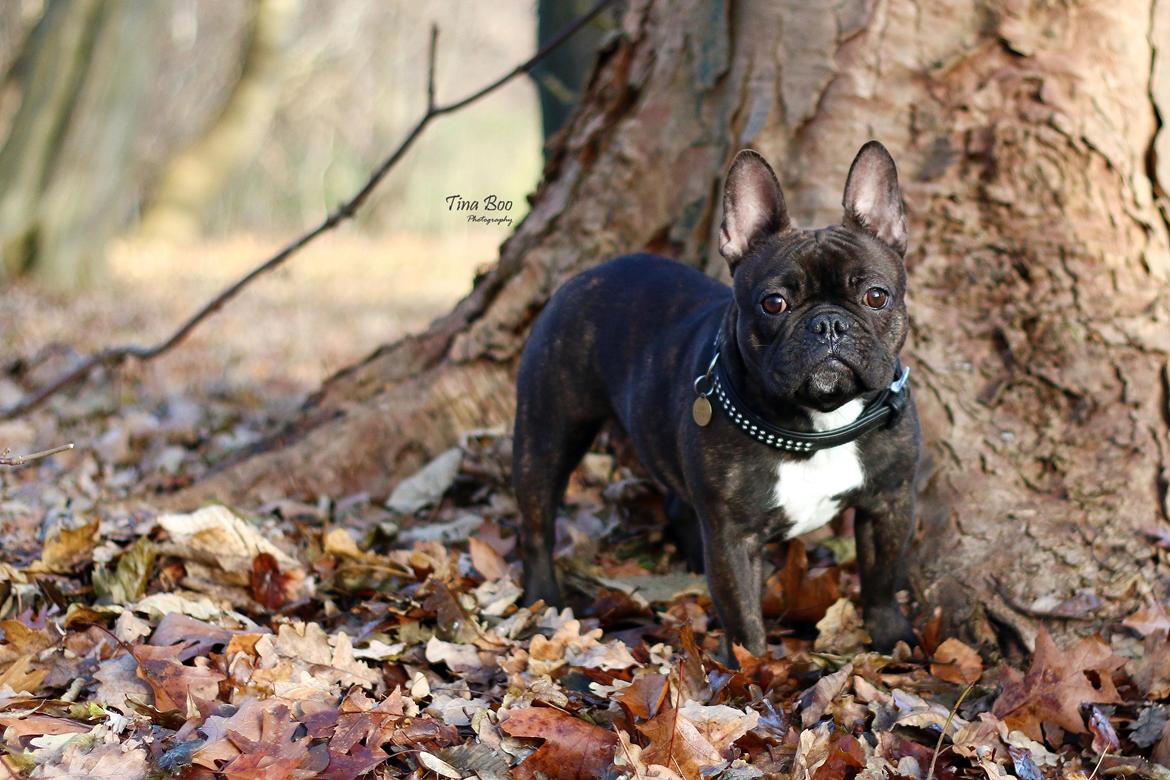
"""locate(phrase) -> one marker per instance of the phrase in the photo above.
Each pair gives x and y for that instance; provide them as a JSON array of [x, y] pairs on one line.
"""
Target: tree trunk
[[196, 175], [1027, 135], [63, 170]]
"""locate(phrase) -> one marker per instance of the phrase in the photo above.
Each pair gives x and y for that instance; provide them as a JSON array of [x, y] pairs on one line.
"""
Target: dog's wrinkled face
[[821, 313]]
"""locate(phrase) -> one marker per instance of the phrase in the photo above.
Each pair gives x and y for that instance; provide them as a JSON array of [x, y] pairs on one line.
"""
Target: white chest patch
[[805, 489]]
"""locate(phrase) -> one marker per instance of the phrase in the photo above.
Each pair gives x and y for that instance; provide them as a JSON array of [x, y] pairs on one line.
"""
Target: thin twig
[[113, 357], [943, 733], [431, 66], [20, 460], [1100, 761]]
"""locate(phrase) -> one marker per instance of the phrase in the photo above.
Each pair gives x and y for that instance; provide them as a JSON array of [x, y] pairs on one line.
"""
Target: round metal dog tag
[[701, 411]]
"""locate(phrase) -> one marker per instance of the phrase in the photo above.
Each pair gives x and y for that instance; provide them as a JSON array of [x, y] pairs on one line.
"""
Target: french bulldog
[[763, 409]]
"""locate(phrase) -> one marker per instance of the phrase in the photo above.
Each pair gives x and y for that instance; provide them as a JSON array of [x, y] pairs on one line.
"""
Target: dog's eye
[[876, 298], [774, 304]]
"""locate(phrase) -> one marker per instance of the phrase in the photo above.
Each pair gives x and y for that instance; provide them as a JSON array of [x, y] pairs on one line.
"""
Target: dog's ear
[[873, 199], [753, 206]]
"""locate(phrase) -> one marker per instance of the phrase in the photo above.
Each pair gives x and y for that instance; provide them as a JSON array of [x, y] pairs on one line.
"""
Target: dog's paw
[[542, 589], [888, 626]]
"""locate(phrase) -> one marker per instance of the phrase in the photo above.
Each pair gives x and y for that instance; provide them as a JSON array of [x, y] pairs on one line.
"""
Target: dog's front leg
[[882, 528], [734, 565]]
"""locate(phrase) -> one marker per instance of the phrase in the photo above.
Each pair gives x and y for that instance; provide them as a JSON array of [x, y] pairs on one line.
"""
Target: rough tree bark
[[1033, 159]]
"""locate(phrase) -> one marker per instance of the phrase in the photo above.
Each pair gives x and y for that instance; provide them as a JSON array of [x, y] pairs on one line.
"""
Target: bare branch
[[20, 460], [113, 357], [431, 67]]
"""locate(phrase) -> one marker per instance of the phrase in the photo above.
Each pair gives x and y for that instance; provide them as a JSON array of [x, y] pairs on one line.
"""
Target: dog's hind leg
[[551, 437]]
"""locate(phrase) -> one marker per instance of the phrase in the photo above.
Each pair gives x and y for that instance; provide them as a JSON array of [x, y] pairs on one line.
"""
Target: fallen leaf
[[460, 659], [1161, 751], [22, 675], [486, 560], [1151, 672], [32, 724], [796, 594], [475, 758], [276, 752], [175, 684], [438, 765], [1149, 620], [1149, 724], [1023, 764], [676, 743], [159, 605], [572, 750], [426, 486], [269, 587], [812, 750], [118, 679], [114, 761], [816, 699], [841, 630], [719, 724], [217, 538], [198, 637], [845, 757], [644, 696], [70, 547], [629, 754], [1057, 684], [956, 663]]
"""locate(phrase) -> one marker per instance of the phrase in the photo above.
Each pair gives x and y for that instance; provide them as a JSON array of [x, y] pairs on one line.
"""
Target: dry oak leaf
[[21, 639], [956, 663], [573, 749], [569, 645], [797, 594], [21, 675], [275, 753], [812, 751], [845, 758], [629, 755], [694, 737], [176, 685], [841, 630], [70, 548], [1057, 684], [216, 537], [26, 724], [486, 560], [1151, 672], [1149, 620], [125, 761], [644, 696], [818, 697]]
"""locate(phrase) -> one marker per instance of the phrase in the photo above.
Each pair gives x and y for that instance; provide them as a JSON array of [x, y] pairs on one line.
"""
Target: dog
[[763, 410]]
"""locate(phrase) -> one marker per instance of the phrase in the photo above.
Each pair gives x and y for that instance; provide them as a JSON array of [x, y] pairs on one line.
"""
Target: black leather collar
[[883, 410]]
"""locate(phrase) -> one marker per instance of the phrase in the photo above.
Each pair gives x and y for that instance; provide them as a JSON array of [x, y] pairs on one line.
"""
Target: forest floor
[[366, 636]]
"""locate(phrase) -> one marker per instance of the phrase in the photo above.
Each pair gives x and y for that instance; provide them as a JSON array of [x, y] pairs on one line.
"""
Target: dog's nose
[[829, 326]]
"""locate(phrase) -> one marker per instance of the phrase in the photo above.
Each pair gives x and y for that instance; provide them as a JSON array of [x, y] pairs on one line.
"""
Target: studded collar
[[883, 410]]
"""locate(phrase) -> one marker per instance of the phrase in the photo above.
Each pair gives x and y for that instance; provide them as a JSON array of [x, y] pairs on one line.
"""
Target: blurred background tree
[[177, 120], [67, 160], [561, 76]]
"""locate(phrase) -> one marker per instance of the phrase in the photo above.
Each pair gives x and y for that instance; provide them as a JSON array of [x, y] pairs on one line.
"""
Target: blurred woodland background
[[153, 151]]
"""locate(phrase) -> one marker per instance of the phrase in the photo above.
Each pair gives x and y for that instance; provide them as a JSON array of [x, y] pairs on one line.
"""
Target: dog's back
[[580, 367]]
